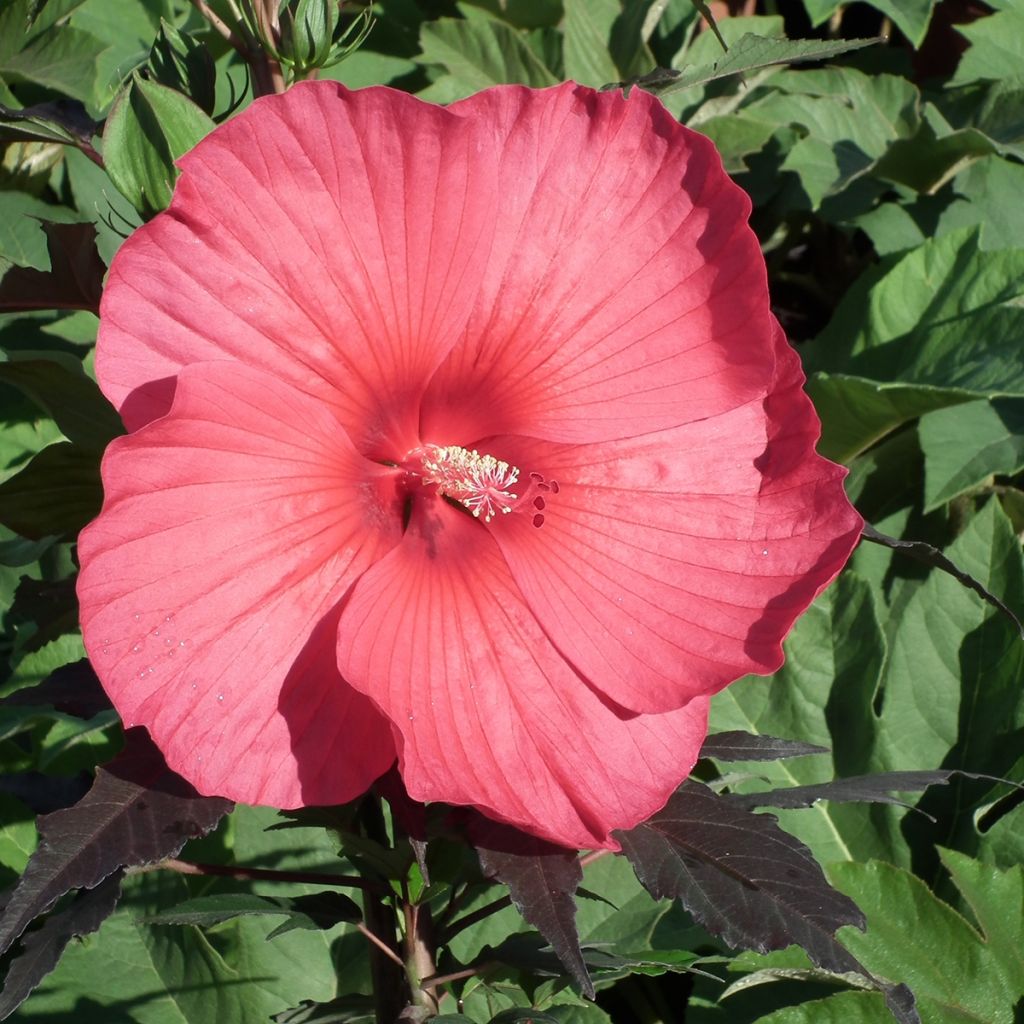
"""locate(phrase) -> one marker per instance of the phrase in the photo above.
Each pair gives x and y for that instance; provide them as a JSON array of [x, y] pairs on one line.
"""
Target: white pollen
[[478, 482]]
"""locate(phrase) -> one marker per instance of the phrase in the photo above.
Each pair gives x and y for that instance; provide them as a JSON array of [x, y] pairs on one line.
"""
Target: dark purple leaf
[[747, 881], [42, 948], [74, 280], [747, 746], [137, 812], [62, 120], [542, 880], [875, 789], [73, 689]]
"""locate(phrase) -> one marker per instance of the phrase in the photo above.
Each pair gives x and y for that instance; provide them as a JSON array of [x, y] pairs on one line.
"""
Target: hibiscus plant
[[510, 510]]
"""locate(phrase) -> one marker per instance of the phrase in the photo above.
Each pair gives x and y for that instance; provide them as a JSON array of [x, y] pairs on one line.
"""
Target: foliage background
[[887, 190]]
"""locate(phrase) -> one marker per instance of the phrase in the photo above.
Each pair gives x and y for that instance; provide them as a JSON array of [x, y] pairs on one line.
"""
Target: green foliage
[[888, 205], [148, 128]]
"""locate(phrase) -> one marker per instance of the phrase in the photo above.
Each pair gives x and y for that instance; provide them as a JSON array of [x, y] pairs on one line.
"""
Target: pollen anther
[[478, 482]]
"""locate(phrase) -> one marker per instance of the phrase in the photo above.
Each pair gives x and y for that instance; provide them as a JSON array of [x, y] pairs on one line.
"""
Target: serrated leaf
[[73, 399], [968, 444], [996, 899], [148, 129], [542, 880], [751, 52], [41, 949], [746, 881], [914, 935], [481, 53], [137, 812], [736, 745], [58, 492]]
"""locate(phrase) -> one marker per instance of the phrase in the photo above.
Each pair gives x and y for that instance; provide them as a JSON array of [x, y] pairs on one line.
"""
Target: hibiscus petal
[[669, 565], [490, 714], [211, 585], [323, 235], [624, 293]]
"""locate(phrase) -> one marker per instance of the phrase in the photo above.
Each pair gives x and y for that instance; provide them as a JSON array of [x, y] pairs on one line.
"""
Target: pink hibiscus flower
[[463, 435]]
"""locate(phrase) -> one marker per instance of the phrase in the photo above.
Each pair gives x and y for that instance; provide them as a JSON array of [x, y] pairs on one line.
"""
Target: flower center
[[479, 482], [482, 484]]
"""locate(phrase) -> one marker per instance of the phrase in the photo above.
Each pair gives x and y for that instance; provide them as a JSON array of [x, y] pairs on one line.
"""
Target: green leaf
[[522, 13], [318, 910], [987, 189], [751, 52], [737, 136], [911, 17], [856, 413], [183, 63], [992, 895], [148, 129], [997, 45], [836, 647], [58, 492], [587, 27], [33, 668], [927, 160], [155, 974], [17, 834], [951, 684], [61, 58], [603, 41], [481, 53], [993, 108], [69, 396], [955, 973], [966, 445], [22, 238], [843, 1008], [947, 315], [850, 120]]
